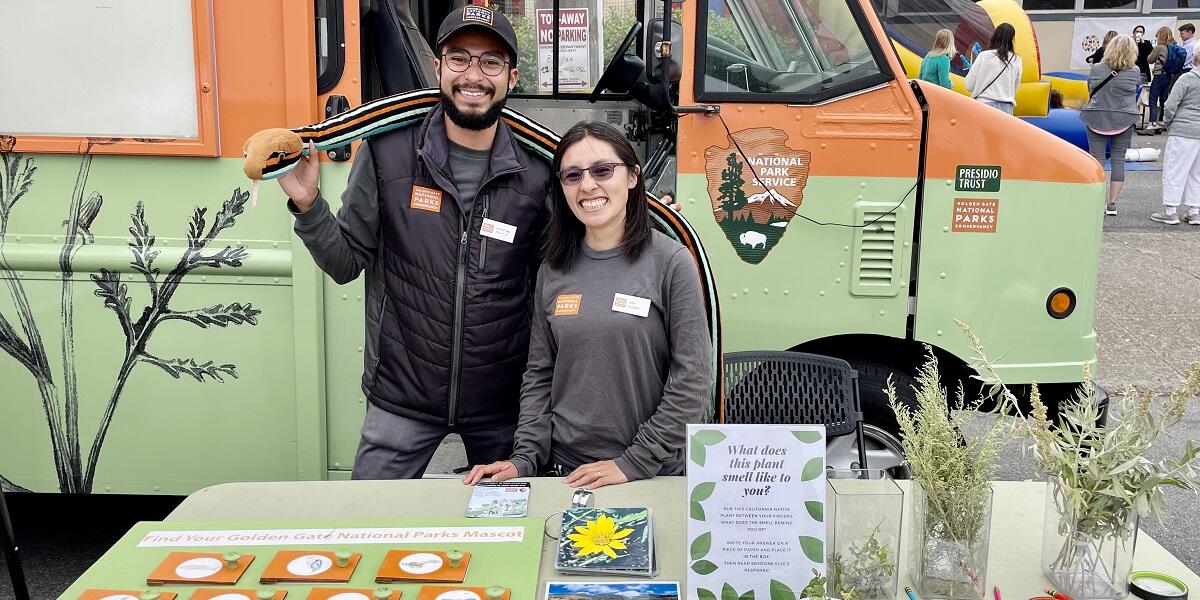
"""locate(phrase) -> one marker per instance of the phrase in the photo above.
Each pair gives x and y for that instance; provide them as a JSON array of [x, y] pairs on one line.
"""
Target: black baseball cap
[[480, 17]]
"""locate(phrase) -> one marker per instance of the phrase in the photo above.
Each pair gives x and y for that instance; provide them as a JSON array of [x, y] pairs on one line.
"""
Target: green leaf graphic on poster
[[697, 511], [703, 567], [780, 591], [816, 510], [701, 545], [702, 439], [702, 491], [697, 452], [747, 596], [808, 437], [812, 469], [704, 594], [813, 548], [709, 437], [728, 593]]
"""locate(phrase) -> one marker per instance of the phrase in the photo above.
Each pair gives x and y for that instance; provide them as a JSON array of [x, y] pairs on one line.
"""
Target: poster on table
[[756, 496], [1089, 34], [574, 49]]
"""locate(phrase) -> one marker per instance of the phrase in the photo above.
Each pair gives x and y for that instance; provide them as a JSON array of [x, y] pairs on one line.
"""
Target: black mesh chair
[[794, 387]]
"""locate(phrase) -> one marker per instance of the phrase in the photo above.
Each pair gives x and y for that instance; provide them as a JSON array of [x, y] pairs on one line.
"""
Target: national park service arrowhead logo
[[753, 203]]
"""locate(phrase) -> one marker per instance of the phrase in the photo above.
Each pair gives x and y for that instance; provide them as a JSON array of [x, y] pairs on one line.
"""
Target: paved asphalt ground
[[1148, 320]]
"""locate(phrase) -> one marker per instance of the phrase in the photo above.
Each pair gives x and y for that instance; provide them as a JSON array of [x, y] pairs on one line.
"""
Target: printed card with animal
[[423, 566], [200, 567], [311, 566]]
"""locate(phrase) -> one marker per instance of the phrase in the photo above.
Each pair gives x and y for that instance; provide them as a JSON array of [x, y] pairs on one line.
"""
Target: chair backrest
[[791, 387]]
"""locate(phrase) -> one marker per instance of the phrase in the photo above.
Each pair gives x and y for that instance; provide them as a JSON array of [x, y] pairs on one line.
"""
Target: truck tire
[[872, 383]]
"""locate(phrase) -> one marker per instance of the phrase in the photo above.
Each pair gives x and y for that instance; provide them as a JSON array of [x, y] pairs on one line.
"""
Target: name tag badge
[[498, 231], [631, 305]]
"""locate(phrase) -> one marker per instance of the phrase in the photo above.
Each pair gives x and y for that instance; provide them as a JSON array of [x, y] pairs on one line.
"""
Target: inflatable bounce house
[[912, 25]]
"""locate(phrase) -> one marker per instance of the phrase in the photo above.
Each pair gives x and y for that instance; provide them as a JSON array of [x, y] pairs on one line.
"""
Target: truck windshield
[[801, 47], [912, 24]]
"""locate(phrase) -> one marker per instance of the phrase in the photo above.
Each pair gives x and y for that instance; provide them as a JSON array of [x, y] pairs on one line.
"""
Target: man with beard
[[446, 219]]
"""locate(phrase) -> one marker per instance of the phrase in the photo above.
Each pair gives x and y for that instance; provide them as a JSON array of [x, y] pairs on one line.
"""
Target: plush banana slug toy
[[272, 152]]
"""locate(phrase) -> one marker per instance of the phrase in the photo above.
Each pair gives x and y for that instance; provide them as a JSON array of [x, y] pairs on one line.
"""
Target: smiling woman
[[619, 356]]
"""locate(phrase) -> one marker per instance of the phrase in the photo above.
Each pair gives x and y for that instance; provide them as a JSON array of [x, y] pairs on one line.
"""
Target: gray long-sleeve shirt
[[608, 385]]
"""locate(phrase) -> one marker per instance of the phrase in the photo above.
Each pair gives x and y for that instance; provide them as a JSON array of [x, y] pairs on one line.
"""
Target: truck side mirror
[[662, 70]]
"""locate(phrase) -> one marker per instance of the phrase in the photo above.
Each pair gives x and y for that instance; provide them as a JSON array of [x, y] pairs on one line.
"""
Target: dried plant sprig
[[954, 474]]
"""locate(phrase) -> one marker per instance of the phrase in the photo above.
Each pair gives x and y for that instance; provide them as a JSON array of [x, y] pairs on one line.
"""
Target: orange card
[[228, 594], [199, 567], [348, 594], [444, 592], [309, 566], [421, 565], [121, 595]]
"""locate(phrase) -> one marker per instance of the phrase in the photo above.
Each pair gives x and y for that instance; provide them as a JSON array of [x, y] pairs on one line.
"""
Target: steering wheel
[[612, 71]]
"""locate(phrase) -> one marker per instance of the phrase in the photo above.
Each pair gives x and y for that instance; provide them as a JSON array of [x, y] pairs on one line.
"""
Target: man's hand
[[669, 199], [500, 470], [301, 183], [596, 475]]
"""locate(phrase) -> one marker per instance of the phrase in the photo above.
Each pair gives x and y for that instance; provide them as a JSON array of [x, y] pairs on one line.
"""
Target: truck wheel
[[872, 381], [883, 452]]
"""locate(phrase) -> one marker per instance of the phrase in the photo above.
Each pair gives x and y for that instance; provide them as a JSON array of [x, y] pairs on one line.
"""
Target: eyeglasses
[[600, 172], [489, 62]]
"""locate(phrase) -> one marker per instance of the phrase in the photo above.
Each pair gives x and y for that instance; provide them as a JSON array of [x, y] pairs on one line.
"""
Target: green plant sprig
[[1102, 470]]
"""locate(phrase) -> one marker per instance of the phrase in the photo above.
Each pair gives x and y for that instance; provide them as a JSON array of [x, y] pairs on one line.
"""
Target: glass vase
[[1087, 546], [948, 542], [863, 527]]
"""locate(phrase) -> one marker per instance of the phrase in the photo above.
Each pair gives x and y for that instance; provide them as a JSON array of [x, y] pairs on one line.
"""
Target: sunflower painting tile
[[608, 540]]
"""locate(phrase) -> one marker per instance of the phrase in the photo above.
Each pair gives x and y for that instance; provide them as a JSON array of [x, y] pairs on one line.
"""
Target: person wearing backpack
[[1166, 62], [1111, 109], [1181, 155], [996, 72]]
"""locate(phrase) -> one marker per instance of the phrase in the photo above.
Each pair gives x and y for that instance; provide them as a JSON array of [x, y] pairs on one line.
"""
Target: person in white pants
[[1181, 156]]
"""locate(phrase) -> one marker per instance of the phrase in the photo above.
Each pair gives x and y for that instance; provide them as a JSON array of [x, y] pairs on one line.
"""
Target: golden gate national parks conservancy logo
[[753, 203]]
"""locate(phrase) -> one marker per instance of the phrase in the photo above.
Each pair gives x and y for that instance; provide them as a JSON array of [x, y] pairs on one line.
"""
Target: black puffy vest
[[454, 327]]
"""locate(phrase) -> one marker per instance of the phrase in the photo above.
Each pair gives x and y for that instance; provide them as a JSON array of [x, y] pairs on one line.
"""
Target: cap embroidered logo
[[477, 14]]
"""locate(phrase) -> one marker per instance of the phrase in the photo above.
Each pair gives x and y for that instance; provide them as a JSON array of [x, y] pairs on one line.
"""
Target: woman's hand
[[596, 475], [500, 470]]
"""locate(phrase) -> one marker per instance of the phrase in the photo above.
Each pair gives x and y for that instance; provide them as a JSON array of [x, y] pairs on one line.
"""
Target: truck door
[[803, 185]]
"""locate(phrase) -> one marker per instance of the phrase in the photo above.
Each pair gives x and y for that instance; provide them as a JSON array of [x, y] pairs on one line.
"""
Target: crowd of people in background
[[1169, 70], [1122, 67]]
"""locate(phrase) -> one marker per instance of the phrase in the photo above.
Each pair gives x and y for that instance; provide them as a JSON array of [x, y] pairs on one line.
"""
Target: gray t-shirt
[[468, 167], [603, 384]]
